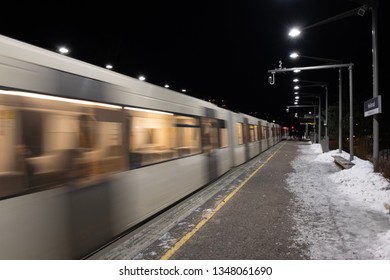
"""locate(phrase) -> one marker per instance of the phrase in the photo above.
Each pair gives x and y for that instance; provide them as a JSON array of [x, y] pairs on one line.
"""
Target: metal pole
[[340, 112], [375, 127], [306, 130], [350, 115], [318, 67], [314, 126], [319, 118], [326, 112]]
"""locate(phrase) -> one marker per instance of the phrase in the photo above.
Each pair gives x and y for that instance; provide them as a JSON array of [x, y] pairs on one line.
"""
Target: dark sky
[[214, 48]]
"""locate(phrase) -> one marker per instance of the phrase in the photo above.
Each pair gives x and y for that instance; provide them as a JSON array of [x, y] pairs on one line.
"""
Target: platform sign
[[373, 106], [309, 116]]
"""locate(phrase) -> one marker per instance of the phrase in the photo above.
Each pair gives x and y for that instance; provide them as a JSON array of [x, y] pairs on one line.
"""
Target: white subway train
[[87, 154]]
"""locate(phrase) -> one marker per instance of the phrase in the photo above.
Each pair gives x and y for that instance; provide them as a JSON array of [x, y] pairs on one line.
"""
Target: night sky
[[214, 49]]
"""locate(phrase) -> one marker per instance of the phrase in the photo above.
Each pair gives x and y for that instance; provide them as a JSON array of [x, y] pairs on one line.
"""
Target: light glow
[[148, 111], [56, 98], [294, 32], [63, 50]]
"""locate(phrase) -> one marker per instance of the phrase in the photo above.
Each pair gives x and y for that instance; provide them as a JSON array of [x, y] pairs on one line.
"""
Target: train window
[[256, 132], [31, 131], [152, 137], [188, 135], [253, 134], [48, 141], [87, 131], [240, 133], [264, 133], [223, 134], [156, 136]]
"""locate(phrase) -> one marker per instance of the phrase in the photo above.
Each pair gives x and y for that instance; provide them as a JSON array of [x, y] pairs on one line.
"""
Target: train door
[[259, 136], [210, 142], [246, 139], [268, 136]]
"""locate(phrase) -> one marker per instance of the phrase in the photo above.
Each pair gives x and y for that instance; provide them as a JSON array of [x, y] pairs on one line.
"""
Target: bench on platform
[[344, 163]]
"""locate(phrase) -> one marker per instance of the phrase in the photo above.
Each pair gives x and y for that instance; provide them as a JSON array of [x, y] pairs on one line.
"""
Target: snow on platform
[[340, 214]]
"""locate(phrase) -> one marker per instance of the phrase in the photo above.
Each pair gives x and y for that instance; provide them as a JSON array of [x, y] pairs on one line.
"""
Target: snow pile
[[340, 214], [360, 182]]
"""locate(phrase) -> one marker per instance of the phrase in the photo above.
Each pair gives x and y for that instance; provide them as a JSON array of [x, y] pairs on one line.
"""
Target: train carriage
[[86, 154]]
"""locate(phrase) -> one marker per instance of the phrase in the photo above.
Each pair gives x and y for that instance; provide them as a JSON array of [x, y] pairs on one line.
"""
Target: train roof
[[24, 52]]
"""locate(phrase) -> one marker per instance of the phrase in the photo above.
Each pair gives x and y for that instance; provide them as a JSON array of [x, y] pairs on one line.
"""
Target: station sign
[[309, 116], [373, 106]]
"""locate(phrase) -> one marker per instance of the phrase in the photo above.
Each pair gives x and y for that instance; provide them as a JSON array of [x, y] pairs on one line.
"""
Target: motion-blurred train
[[87, 154]]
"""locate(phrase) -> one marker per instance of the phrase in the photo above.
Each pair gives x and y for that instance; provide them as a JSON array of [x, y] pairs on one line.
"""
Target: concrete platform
[[246, 214], [256, 222]]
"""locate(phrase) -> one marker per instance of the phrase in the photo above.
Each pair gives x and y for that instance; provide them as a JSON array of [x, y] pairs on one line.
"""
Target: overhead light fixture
[[63, 50], [294, 32]]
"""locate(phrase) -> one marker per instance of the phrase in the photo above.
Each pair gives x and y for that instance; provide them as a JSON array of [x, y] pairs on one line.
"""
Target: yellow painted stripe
[[186, 237]]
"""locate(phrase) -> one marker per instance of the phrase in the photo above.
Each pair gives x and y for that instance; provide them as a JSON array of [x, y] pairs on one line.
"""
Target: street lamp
[[296, 31], [316, 95], [296, 55], [322, 67], [314, 106], [373, 6], [322, 85]]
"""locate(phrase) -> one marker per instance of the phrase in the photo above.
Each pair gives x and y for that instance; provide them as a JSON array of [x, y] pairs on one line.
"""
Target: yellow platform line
[[191, 233]]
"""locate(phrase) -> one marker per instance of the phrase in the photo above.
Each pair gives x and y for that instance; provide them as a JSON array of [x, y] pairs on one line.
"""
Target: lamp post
[[294, 32], [314, 106], [271, 80], [296, 55], [316, 95], [375, 125], [323, 85], [373, 6]]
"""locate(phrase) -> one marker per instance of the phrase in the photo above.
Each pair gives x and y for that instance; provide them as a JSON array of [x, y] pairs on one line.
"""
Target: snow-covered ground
[[340, 214]]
